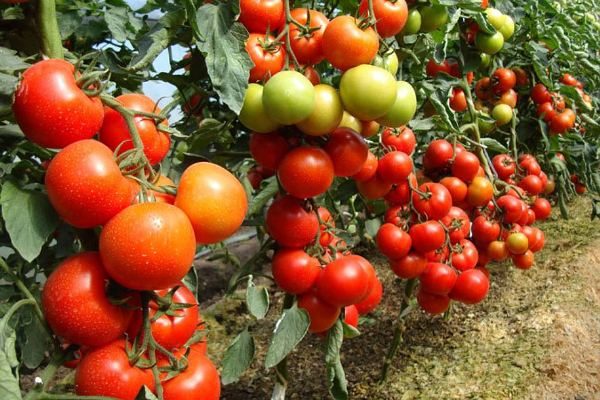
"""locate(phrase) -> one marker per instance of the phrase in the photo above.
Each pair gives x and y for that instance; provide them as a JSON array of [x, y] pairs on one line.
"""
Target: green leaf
[[257, 299], [35, 344], [223, 46], [372, 227], [8, 83], [209, 131], [338, 386], [9, 386], [289, 331], [259, 201], [238, 357], [10, 61], [29, 219], [494, 145], [116, 19], [350, 331], [146, 394]]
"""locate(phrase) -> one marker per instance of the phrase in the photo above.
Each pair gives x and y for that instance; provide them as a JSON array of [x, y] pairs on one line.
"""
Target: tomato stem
[[21, 286], [48, 29], [150, 343], [281, 372], [288, 45]]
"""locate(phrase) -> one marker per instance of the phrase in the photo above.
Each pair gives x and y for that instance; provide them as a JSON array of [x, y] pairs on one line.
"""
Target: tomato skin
[[295, 271], [437, 278], [148, 246], [368, 92], [456, 187], [540, 94], [288, 97], [458, 100], [400, 139], [489, 43], [497, 250], [395, 167], [105, 371], [253, 114], [471, 287], [289, 224], [267, 56], [322, 315], [306, 172], [374, 188], [517, 243], [372, 300], [410, 266], [76, 305], [542, 209], [523, 261], [427, 236], [343, 282], [85, 185], [466, 257], [404, 107], [268, 149], [504, 165], [351, 316], [484, 230], [438, 155], [503, 80], [432, 303], [433, 17], [259, 15], [327, 114], [502, 113], [345, 45], [458, 224], [563, 121], [368, 169], [214, 201], [537, 241], [348, 151], [308, 49], [532, 184], [530, 165], [479, 192], [510, 98], [413, 23], [393, 242], [437, 201], [400, 193], [512, 208], [465, 166], [199, 381], [51, 109], [391, 16], [115, 134]]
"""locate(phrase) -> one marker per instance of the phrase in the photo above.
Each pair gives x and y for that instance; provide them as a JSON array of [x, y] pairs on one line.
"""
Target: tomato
[[465, 166], [530, 165], [471, 287], [307, 171], [480, 192], [368, 92], [44, 103], [523, 261], [437, 278], [434, 202], [199, 381], [456, 187], [569, 79], [504, 165], [327, 114], [410, 266], [512, 208], [374, 188], [348, 151], [438, 255], [289, 224], [495, 17], [503, 79], [540, 94], [262, 15], [295, 271], [395, 167], [266, 54], [508, 29], [432, 303], [485, 230], [532, 184], [391, 16], [547, 111], [400, 139], [268, 149], [538, 240], [350, 121], [489, 43], [521, 75], [393, 242], [253, 114], [502, 113], [400, 194], [427, 236], [345, 45], [369, 270], [458, 101], [563, 121], [389, 61], [433, 17], [542, 209], [115, 133], [343, 282], [403, 109], [322, 315], [517, 243], [438, 155], [307, 44], [213, 199], [311, 74], [483, 88], [510, 98], [288, 97], [497, 250], [372, 300], [550, 186], [413, 22], [368, 169], [76, 305], [85, 185], [351, 316], [458, 224], [449, 67], [464, 255]]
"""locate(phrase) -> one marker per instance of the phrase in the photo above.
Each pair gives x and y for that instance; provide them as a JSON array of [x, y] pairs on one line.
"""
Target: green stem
[[21, 286], [281, 371], [151, 344], [288, 45], [48, 27]]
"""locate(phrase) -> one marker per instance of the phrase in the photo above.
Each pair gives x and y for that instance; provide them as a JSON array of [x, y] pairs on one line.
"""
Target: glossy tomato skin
[[368, 170], [148, 246], [327, 114], [268, 149], [306, 172], [115, 134], [484, 230], [480, 192], [351, 316], [395, 167], [400, 139], [76, 305], [465, 166], [512, 208], [542, 209], [458, 224], [253, 114], [199, 381], [540, 94], [213, 199], [267, 56], [289, 224], [393, 242], [322, 315], [372, 300], [85, 185], [400, 193], [368, 92], [435, 202], [308, 48], [348, 151], [295, 271], [374, 188], [410, 266], [456, 187], [438, 155], [391, 16], [523, 261], [259, 15], [404, 107], [466, 256], [343, 282], [471, 287], [432, 303], [105, 371], [458, 100], [288, 97], [503, 80], [345, 45], [504, 165], [427, 236], [438, 278], [51, 109], [532, 184]]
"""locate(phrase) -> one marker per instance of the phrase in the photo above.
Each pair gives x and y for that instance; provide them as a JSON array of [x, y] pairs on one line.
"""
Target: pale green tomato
[[490, 44], [502, 113], [389, 62], [367, 91], [433, 17], [289, 97], [413, 23], [495, 17], [486, 61], [508, 29], [404, 107], [253, 114], [350, 121], [327, 114]]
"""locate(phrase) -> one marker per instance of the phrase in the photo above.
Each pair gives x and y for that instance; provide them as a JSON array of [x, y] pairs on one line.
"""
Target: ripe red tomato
[[289, 224], [449, 67], [523, 261], [438, 155], [434, 202], [532, 184], [456, 187], [464, 255], [266, 54], [115, 134], [76, 305], [432, 303], [465, 166], [214, 201], [369, 128], [540, 94], [537, 241], [106, 371], [512, 208], [348, 151], [438, 278], [262, 15], [393, 242], [458, 100], [368, 169], [295, 271], [547, 110], [400, 139], [530, 165], [504, 165], [569, 80], [395, 167], [45, 102], [480, 192], [483, 88], [345, 45], [322, 315], [400, 194], [85, 185], [311, 74], [410, 266], [458, 224], [307, 43], [374, 188], [542, 208], [563, 121], [306, 171], [343, 282], [485, 230], [398, 215], [351, 316], [148, 246], [268, 149], [427, 236], [503, 79], [372, 300], [199, 381], [391, 16], [471, 287]]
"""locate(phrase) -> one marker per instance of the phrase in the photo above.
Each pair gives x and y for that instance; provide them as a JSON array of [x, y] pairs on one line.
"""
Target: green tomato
[[495, 17], [485, 127], [413, 23], [486, 61], [350, 121], [508, 29], [368, 92], [289, 97], [502, 113], [389, 62], [253, 114], [403, 109], [433, 17], [327, 114], [490, 44]]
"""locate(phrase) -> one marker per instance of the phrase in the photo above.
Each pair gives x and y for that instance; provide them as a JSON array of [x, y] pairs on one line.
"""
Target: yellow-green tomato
[[289, 97], [389, 62], [253, 114], [433, 17], [404, 107], [489, 43], [368, 92], [350, 121], [413, 23], [327, 114], [508, 29], [502, 113], [486, 61], [495, 17]]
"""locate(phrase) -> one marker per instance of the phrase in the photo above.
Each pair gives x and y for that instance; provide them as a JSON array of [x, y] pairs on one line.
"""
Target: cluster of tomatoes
[[491, 42], [147, 240], [496, 95]]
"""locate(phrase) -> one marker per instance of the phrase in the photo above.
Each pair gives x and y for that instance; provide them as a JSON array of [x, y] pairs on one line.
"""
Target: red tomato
[[547, 110], [368, 169], [400, 139], [51, 109], [106, 371], [372, 300], [428, 236], [563, 121], [432, 303], [438, 155], [307, 43], [458, 100], [322, 315], [537, 240], [480, 192], [268, 149], [458, 224], [503, 79], [465, 166], [512, 208], [351, 316], [393, 241], [437, 278], [434, 201], [510, 98], [395, 167], [374, 188], [530, 165], [295, 271], [306, 171], [471, 287], [327, 222], [569, 79], [266, 54], [483, 89], [148, 246], [532, 184], [539, 94], [199, 381], [398, 215], [449, 67], [523, 261], [464, 255], [456, 187], [391, 16], [115, 133], [311, 74], [348, 151], [542, 208], [497, 250], [504, 165], [485, 230], [400, 194], [76, 305], [343, 282], [345, 45], [289, 224], [410, 266], [262, 15], [369, 128]]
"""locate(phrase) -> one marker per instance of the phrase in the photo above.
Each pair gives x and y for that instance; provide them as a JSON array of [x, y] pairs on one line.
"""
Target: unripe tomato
[[404, 107], [368, 92], [433, 17], [348, 151], [438, 278], [289, 224], [432, 303], [413, 23], [508, 29], [427, 236], [391, 16], [489, 43], [400, 139], [307, 171], [502, 113], [327, 114], [388, 61], [308, 46], [495, 17], [295, 271], [322, 315], [268, 149], [350, 121], [346, 45], [480, 192], [409, 267], [471, 287], [266, 54], [343, 282], [253, 114], [288, 98], [517, 243]]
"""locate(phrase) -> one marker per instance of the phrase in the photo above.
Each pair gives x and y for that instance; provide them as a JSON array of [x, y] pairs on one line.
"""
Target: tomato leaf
[[257, 299], [35, 342], [338, 386], [10, 61], [289, 331], [145, 394], [238, 357], [9, 386], [116, 20], [494, 145], [259, 201], [29, 219]]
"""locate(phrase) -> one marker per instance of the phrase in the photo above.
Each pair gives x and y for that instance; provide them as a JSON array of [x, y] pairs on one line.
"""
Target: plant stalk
[[49, 33], [281, 372]]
